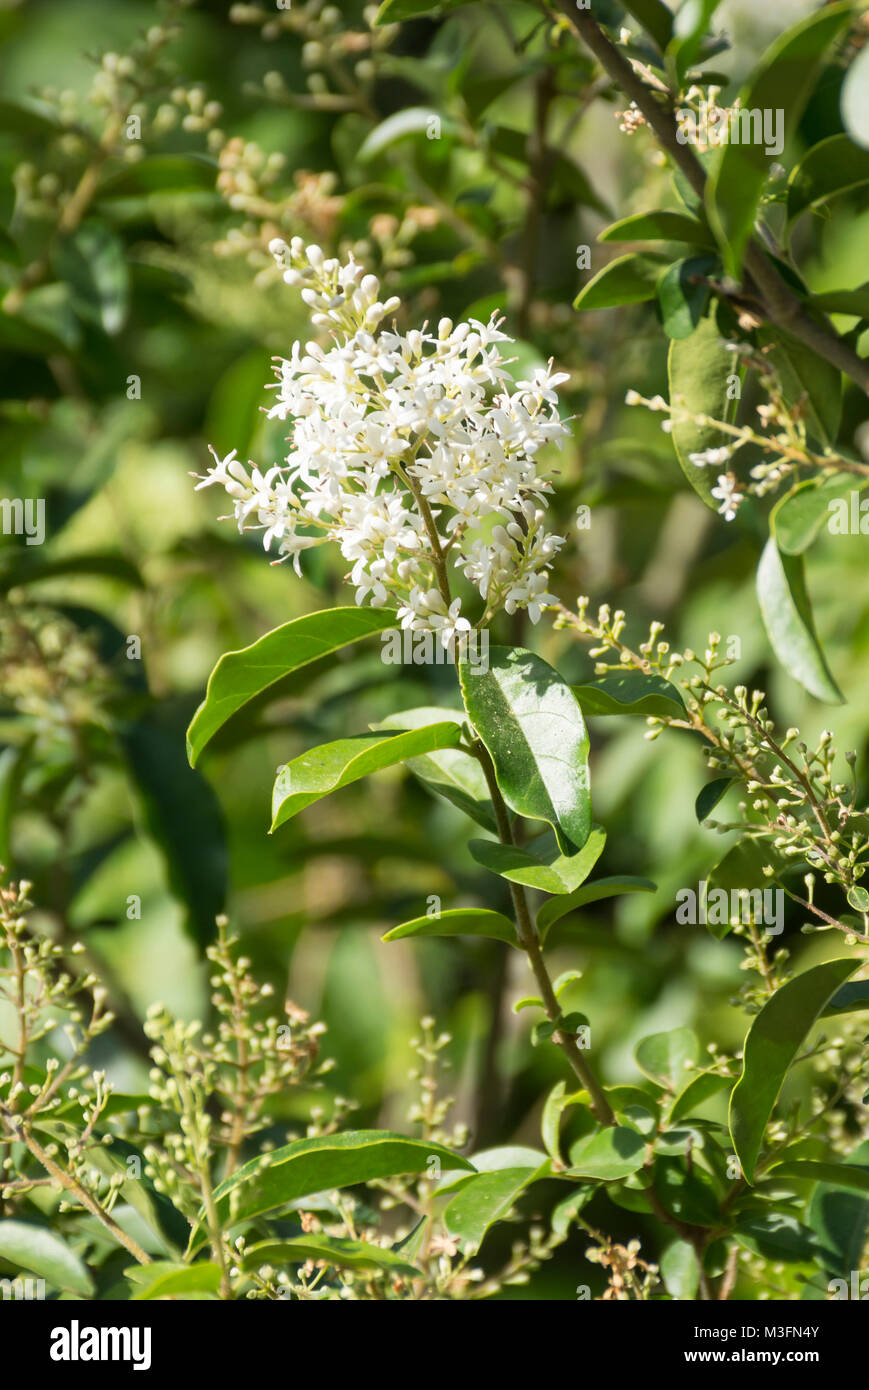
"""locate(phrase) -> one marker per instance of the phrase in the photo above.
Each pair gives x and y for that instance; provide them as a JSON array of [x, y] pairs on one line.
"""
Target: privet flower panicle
[[404, 448]]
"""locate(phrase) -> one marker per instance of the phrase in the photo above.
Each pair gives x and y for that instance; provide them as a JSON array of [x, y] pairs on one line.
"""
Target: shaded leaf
[[701, 372], [628, 279], [613, 1153], [773, 1041], [541, 865], [658, 226], [787, 617], [830, 167], [664, 1057], [631, 693]]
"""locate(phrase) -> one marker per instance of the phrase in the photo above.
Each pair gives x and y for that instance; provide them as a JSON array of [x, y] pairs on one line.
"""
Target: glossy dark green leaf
[[658, 226], [830, 167], [851, 998], [541, 865], [333, 765], [683, 293], [844, 1175], [459, 921], [778, 1236], [626, 280], [240, 676], [787, 617], [709, 796], [630, 693], [685, 1195], [331, 1250], [532, 725], [704, 380], [782, 81], [840, 1219], [319, 1165], [39, 1250], [774, 1039], [607, 1156]]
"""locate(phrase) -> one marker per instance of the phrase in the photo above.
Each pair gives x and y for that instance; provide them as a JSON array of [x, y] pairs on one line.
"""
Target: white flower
[[713, 457], [401, 445], [728, 494]]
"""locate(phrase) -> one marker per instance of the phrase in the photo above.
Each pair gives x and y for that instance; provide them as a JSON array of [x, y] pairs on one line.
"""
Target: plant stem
[[781, 306], [22, 1133], [530, 943]]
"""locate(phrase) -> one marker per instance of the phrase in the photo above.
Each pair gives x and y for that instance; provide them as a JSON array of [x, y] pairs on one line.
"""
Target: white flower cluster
[[413, 452]]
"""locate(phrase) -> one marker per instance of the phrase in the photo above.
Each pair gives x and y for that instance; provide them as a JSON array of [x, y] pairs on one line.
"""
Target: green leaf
[[680, 1270], [773, 1041], [778, 1236], [13, 762], [796, 518], [709, 796], [787, 617], [853, 302], [631, 693], [323, 770], [532, 725], [154, 1207], [844, 1175], [683, 293], [658, 226], [655, 17], [783, 81], [807, 380], [541, 865], [628, 279], [449, 772], [37, 1249], [459, 921], [831, 167], [240, 676], [611, 887], [482, 1201], [840, 1219], [613, 1153], [332, 1250], [92, 262], [700, 1088], [855, 99], [851, 998], [318, 1165], [701, 372], [689, 30], [409, 122], [664, 1057], [168, 1279], [684, 1194]]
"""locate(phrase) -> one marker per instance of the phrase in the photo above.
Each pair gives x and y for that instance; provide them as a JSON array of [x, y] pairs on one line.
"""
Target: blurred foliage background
[[141, 311]]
